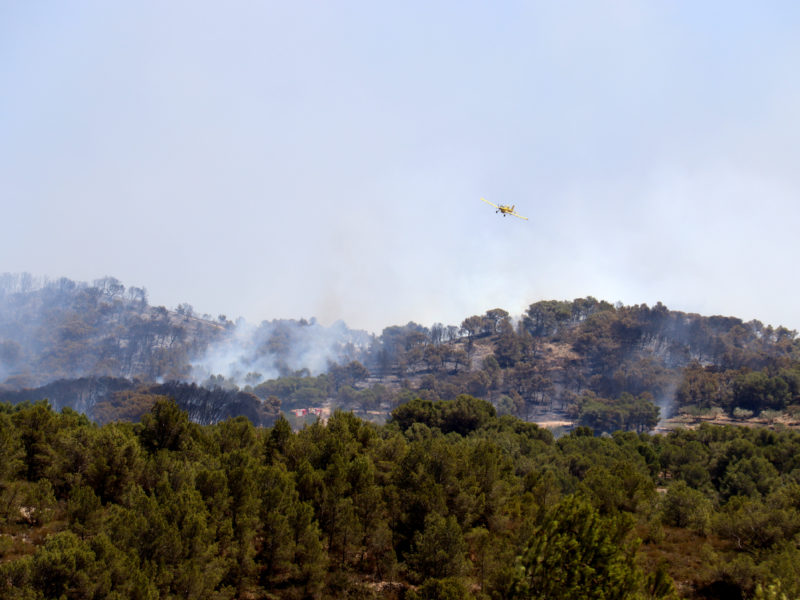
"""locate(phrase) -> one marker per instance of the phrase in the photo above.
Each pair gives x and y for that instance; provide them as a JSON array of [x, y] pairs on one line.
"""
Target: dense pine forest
[[148, 452], [447, 500]]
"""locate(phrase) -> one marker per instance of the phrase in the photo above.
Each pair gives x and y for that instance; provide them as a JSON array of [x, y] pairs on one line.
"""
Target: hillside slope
[[584, 361]]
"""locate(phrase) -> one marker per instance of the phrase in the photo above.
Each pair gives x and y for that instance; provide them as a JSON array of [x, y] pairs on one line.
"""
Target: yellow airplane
[[504, 209]]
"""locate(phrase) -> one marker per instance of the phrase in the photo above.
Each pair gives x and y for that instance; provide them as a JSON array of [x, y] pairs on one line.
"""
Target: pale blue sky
[[297, 159]]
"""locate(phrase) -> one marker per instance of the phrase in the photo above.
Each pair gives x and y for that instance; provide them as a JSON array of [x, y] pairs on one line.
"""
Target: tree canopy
[[445, 500]]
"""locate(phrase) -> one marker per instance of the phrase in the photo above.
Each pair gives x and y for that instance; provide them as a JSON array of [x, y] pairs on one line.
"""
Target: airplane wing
[[520, 216], [489, 203]]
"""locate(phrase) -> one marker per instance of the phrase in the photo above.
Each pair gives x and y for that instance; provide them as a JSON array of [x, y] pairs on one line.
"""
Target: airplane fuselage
[[505, 210]]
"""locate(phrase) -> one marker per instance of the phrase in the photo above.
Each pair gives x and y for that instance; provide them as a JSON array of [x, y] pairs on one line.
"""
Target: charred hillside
[[583, 361], [607, 366], [64, 329]]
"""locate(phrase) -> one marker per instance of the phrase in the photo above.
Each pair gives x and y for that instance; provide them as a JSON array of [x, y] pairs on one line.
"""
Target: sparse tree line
[[447, 500]]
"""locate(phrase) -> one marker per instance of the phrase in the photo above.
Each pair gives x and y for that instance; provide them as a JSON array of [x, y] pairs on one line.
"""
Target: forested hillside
[[584, 361], [62, 329], [445, 501], [153, 453]]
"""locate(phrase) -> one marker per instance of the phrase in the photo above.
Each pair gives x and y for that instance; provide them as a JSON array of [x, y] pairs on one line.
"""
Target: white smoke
[[667, 403], [251, 354]]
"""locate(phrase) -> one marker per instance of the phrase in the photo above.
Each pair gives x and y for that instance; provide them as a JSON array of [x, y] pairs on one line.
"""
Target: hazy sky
[[297, 159]]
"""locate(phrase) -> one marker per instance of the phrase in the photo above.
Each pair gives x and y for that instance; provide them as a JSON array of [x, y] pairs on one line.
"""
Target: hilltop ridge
[[586, 360]]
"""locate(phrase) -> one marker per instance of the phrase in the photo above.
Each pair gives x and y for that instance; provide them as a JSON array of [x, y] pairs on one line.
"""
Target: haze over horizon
[[274, 160]]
